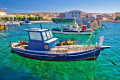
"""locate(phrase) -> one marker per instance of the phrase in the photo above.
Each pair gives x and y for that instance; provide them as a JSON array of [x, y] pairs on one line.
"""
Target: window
[[44, 35], [35, 35], [51, 34], [48, 35]]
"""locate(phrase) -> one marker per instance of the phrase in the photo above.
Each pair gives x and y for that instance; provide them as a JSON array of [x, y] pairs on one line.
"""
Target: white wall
[[74, 14], [2, 13]]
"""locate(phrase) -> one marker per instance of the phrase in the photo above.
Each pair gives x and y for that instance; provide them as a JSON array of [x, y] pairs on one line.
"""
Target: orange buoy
[[36, 24], [30, 26]]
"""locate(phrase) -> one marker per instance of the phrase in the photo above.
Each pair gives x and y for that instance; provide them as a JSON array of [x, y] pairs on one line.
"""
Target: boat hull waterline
[[72, 32], [52, 56]]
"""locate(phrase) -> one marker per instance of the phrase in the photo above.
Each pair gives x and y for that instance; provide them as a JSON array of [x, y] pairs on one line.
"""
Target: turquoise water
[[15, 67]]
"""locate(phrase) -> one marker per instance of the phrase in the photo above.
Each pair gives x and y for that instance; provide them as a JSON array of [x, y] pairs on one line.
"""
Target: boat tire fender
[[46, 46]]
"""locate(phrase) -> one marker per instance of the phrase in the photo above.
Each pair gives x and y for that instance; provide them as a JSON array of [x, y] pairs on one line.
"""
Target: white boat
[[73, 28], [26, 22], [14, 24]]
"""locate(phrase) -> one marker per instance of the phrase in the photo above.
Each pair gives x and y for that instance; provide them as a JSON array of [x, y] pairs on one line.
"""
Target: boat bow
[[104, 47]]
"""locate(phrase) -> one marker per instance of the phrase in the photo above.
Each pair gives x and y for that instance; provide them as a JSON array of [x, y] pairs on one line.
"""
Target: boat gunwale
[[49, 52]]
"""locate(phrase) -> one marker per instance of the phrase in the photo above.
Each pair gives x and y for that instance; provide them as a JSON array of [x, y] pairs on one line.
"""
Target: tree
[[40, 18], [20, 18], [30, 18], [3, 18], [7, 18], [0, 19], [118, 18], [36, 18], [24, 18], [11, 18], [15, 18]]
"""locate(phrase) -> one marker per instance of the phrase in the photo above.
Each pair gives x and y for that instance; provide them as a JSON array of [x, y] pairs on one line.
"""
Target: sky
[[89, 6]]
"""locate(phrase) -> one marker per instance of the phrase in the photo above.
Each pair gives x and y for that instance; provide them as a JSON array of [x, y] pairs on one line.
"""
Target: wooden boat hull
[[52, 56], [72, 32]]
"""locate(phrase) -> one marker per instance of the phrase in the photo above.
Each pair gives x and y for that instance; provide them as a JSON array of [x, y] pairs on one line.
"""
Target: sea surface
[[15, 67]]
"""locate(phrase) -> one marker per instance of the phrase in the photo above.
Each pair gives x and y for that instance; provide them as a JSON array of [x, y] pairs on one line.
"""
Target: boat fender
[[23, 42], [46, 47]]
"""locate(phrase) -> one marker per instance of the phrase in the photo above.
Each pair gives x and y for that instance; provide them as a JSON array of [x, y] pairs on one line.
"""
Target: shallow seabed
[[15, 67]]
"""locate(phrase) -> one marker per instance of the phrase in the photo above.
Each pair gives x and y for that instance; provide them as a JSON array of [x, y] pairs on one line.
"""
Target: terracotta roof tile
[[1, 10]]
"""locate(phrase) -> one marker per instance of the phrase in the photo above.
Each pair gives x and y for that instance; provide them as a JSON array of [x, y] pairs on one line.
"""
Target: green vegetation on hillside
[[22, 18]]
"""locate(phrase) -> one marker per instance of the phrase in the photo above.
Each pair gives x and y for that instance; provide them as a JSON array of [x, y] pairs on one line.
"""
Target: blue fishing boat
[[26, 22], [43, 46]]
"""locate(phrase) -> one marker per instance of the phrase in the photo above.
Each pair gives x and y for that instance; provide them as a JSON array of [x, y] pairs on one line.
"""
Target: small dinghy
[[43, 46]]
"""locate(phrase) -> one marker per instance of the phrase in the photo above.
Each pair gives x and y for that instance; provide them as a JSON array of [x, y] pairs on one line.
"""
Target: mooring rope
[[109, 58], [4, 48], [104, 26], [93, 64]]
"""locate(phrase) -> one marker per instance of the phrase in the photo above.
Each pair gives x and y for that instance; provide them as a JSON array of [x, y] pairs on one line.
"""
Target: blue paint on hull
[[91, 54]]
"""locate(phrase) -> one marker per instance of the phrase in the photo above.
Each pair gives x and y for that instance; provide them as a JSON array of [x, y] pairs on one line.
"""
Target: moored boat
[[43, 46], [26, 22], [14, 24], [3, 27], [73, 28]]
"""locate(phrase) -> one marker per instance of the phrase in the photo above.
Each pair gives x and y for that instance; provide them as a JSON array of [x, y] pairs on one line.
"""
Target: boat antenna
[[41, 26], [94, 26]]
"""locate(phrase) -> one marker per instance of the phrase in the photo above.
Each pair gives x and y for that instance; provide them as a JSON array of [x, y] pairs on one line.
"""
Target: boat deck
[[72, 48], [62, 49]]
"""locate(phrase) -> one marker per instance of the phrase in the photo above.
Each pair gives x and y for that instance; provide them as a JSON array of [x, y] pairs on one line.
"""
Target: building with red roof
[[2, 13]]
